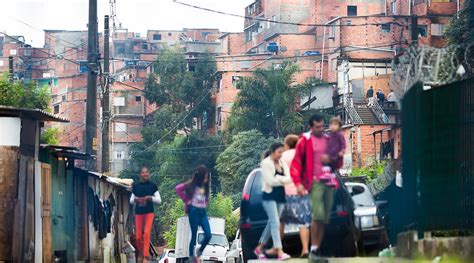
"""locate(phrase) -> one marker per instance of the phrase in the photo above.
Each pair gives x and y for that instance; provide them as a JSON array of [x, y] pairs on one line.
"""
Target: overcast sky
[[30, 17]]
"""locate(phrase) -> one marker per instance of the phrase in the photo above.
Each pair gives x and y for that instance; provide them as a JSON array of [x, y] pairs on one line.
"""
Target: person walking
[[297, 211], [275, 174], [392, 98], [144, 195], [195, 195], [381, 97], [370, 96], [306, 169]]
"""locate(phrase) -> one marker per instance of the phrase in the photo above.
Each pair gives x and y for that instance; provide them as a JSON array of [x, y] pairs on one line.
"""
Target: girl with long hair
[[195, 195], [144, 195], [275, 174]]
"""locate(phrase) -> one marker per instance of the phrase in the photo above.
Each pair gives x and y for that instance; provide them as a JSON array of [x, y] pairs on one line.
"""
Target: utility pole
[[414, 30], [105, 101], [10, 68], [91, 106]]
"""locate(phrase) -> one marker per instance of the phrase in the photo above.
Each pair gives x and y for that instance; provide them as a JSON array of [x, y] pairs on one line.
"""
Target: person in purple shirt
[[336, 147], [195, 195]]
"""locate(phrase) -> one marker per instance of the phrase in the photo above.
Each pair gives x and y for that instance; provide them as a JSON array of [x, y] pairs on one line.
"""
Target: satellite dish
[[283, 49]]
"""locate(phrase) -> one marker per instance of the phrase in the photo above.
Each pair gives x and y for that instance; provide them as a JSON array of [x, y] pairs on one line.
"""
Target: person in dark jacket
[[381, 97], [370, 96], [144, 195]]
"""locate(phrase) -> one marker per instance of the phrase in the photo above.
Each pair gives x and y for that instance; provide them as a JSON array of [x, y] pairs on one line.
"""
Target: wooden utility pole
[[91, 106], [10, 68], [105, 101]]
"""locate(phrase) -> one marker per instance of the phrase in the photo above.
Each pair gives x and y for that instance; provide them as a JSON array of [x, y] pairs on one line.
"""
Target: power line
[[222, 59], [277, 22]]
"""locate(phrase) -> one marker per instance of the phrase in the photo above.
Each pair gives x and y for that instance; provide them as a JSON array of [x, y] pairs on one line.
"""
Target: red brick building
[[242, 53]]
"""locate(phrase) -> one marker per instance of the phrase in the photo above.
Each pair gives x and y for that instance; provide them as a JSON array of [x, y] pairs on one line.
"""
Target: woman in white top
[[275, 174]]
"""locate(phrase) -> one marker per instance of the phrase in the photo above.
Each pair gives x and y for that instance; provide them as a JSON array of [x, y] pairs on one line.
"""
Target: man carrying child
[[308, 174]]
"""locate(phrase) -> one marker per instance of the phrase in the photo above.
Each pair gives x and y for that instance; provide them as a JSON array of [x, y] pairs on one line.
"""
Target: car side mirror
[[381, 204]]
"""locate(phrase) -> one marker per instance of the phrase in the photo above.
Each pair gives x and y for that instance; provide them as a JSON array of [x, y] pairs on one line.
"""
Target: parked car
[[367, 217], [342, 237], [234, 255], [168, 256]]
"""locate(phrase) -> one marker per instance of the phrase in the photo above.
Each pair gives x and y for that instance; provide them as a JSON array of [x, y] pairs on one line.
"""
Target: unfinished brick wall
[[361, 145]]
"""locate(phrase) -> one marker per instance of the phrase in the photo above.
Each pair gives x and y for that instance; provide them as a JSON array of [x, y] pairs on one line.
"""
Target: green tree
[[50, 136], [460, 31], [239, 159], [268, 101], [178, 159], [25, 95], [181, 91]]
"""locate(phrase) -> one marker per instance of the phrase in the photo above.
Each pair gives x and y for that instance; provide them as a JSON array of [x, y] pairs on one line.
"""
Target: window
[[219, 116], [55, 82], [63, 97], [170, 34], [138, 98], [1, 63], [119, 155], [119, 101], [219, 88], [423, 30], [205, 34], [438, 29], [332, 31], [351, 10], [27, 52], [394, 7], [156, 36], [235, 79], [144, 46], [56, 109], [386, 28], [120, 127], [13, 52]]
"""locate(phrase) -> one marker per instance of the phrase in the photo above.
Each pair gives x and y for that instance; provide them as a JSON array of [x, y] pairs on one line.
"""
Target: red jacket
[[302, 165]]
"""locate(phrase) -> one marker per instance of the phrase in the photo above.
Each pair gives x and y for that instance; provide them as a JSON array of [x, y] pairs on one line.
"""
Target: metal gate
[[437, 160]]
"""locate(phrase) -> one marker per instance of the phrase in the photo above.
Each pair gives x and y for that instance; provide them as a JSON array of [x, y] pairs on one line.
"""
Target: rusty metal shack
[[86, 214], [20, 182]]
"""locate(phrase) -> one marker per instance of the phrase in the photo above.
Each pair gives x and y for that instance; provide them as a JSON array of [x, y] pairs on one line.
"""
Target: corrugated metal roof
[[126, 184], [35, 114], [66, 151]]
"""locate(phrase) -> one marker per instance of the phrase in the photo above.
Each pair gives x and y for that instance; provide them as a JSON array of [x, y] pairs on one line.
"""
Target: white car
[[168, 256], [234, 255]]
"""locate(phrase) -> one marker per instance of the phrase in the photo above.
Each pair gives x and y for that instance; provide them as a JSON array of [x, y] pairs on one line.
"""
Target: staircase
[[366, 114]]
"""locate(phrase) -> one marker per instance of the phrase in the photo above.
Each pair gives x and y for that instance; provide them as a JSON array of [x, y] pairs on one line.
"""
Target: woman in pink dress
[[297, 210]]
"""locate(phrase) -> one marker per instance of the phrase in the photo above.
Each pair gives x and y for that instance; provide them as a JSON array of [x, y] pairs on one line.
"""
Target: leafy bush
[[374, 169]]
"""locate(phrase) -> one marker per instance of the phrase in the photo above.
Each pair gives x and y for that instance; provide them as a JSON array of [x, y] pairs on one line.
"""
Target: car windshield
[[216, 239], [364, 198]]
